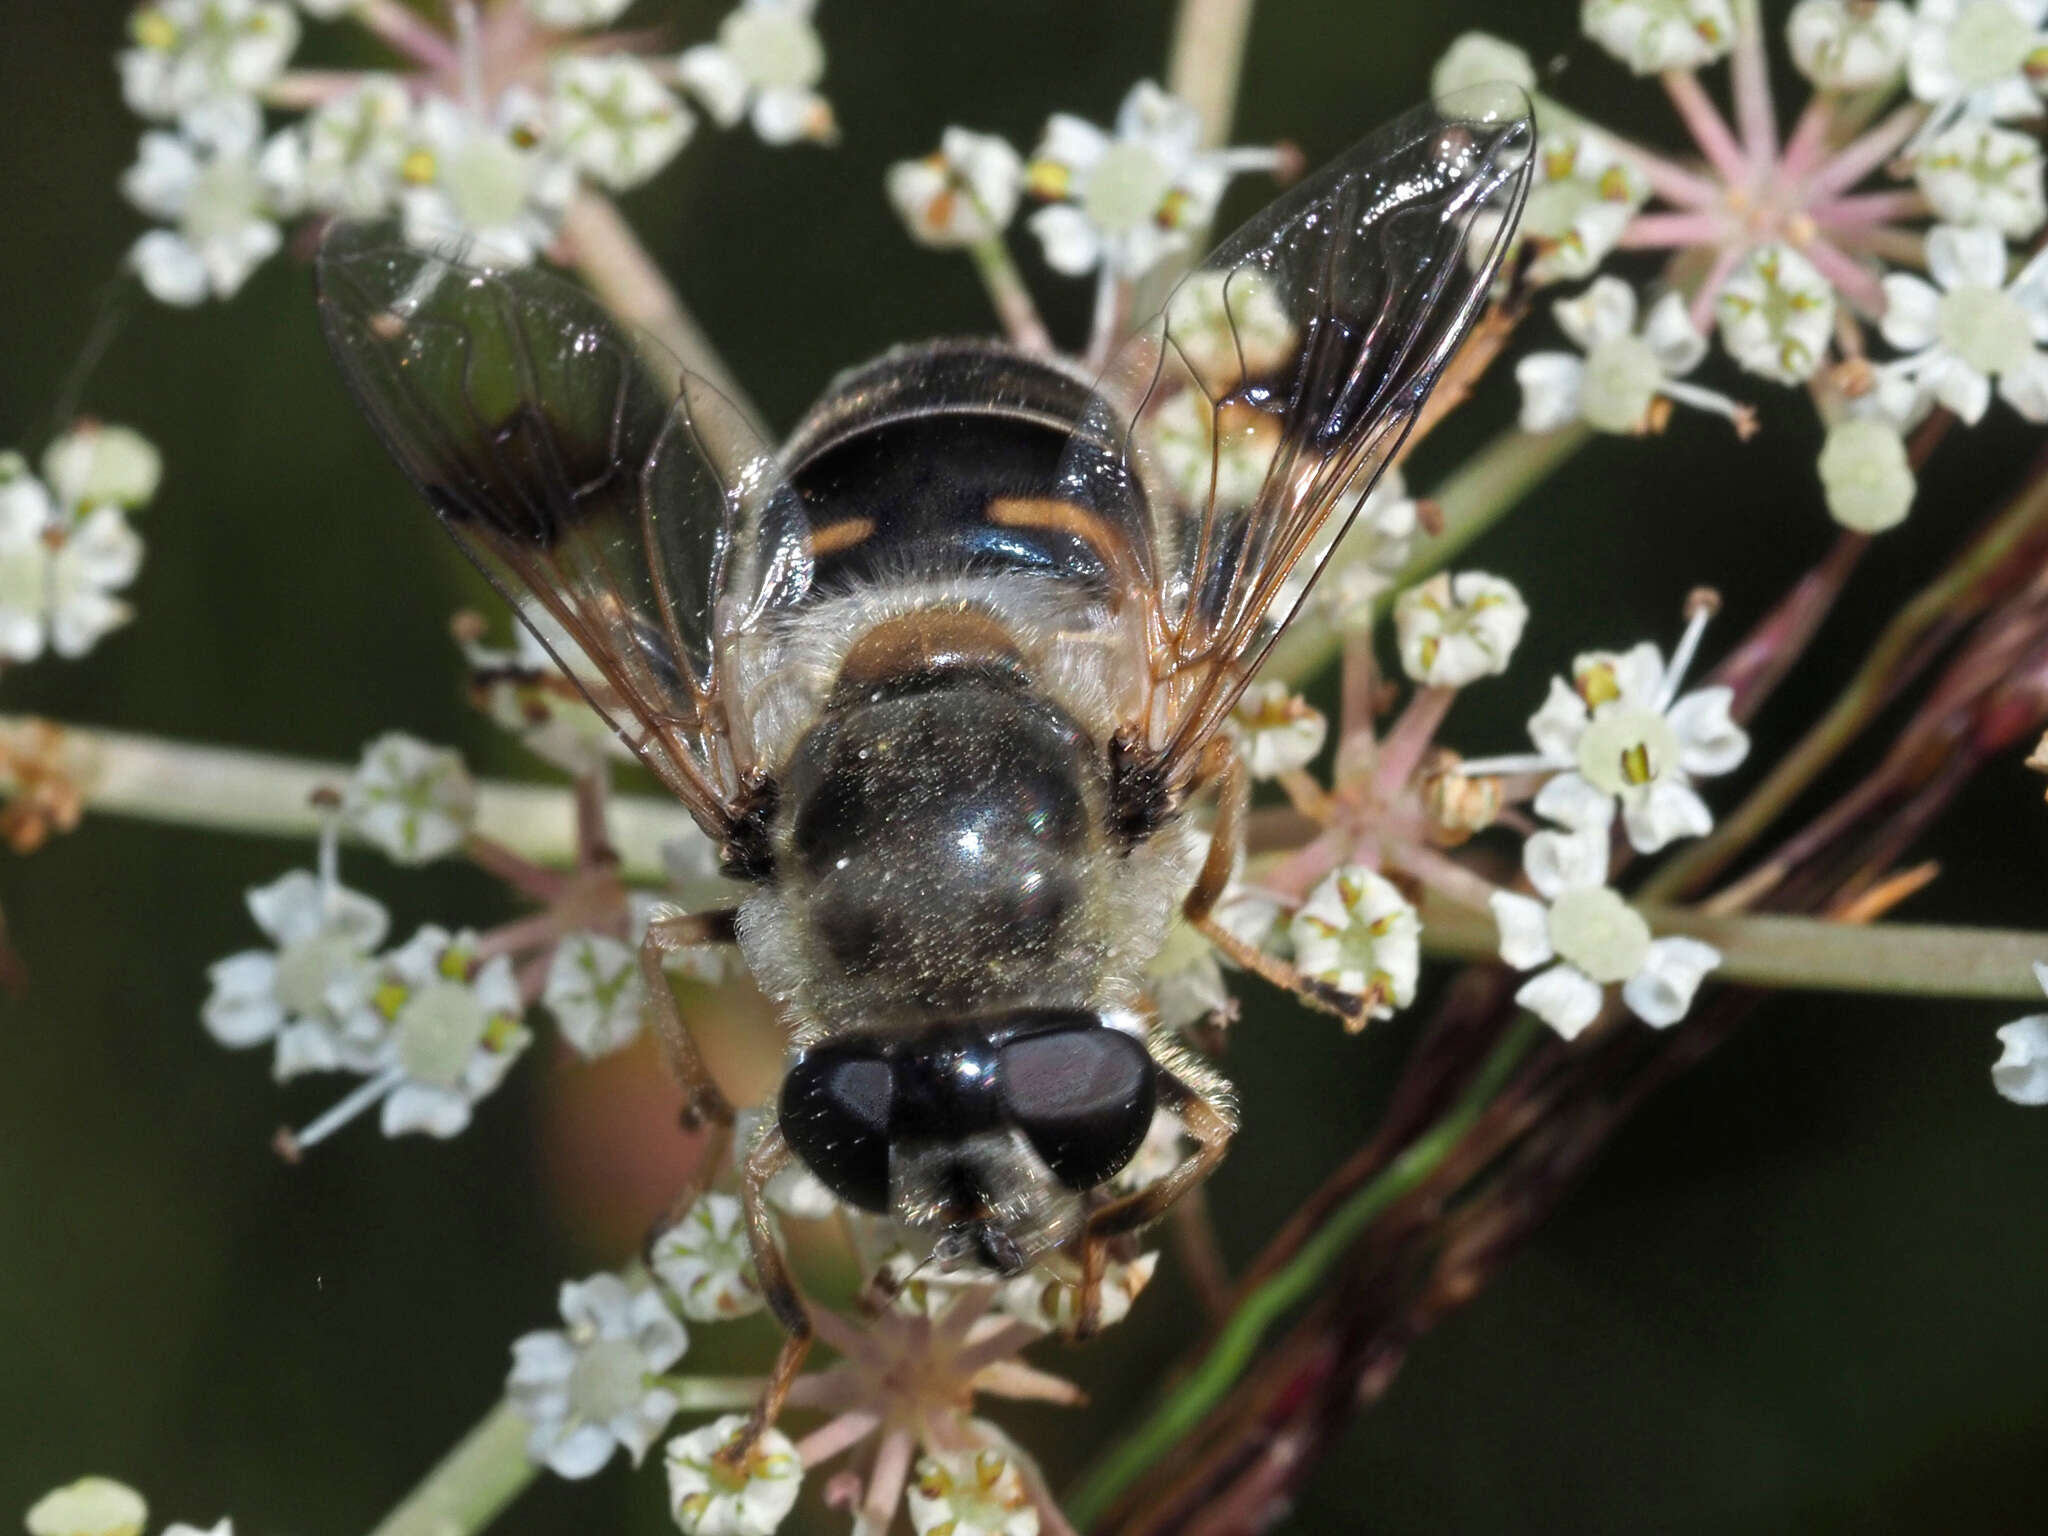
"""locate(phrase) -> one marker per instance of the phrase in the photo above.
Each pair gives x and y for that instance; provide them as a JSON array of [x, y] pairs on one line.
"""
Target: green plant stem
[[229, 790], [468, 1488], [1235, 1345], [1809, 953], [1483, 490], [1207, 61], [1947, 599]]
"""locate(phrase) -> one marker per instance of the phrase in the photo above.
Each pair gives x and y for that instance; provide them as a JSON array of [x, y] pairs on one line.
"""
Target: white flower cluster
[[1785, 251], [65, 543], [1119, 201], [496, 173]]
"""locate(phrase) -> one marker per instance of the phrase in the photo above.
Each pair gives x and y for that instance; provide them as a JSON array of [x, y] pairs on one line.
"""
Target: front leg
[[705, 1106], [768, 1156], [671, 931], [1226, 842], [1202, 1102]]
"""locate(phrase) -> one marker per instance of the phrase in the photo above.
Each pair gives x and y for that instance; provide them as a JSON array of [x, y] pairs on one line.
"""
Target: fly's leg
[[768, 1156], [1203, 1104], [705, 1106], [1233, 798]]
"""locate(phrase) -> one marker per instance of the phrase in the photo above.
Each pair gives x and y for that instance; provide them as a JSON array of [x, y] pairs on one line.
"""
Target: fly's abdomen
[[946, 458]]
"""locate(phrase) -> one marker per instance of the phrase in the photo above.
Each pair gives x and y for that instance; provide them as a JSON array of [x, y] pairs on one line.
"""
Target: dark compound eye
[[835, 1116], [1083, 1095]]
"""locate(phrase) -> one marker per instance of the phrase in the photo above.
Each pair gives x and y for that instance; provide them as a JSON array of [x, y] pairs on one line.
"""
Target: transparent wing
[[1257, 410], [622, 506]]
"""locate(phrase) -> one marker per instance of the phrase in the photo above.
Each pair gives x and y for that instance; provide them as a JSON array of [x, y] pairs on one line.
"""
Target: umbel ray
[[942, 676]]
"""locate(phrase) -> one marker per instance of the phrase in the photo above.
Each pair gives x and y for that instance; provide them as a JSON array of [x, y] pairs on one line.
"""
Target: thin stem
[[1865, 154], [1207, 61], [1236, 1343], [602, 247], [1485, 489], [487, 1469], [1755, 116], [228, 790], [404, 30], [1807, 954], [1704, 122], [1010, 296]]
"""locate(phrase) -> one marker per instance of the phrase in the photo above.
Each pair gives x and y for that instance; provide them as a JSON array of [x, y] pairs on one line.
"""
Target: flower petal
[[1661, 992], [1564, 998], [1524, 930]]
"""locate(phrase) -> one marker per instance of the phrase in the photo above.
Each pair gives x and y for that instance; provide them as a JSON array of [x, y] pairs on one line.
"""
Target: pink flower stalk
[[1755, 190]]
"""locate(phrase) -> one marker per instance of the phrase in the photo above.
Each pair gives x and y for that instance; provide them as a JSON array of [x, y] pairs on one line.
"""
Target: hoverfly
[[942, 676]]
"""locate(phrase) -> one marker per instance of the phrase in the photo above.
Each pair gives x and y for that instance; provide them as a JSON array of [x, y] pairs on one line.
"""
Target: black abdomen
[[907, 466]]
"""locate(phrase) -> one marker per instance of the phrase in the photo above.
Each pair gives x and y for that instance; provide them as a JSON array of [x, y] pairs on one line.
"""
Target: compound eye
[[1084, 1095], [835, 1116]]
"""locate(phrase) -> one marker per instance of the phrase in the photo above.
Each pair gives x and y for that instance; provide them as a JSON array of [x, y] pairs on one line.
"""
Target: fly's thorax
[[941, 847]]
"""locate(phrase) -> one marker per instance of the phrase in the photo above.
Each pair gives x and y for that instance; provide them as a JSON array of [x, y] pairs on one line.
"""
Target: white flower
[[566, 14], [1849, 45], [1226, 325], [1979, 173], [491, 186], [92, 1506], [1454, 630], [328, 10], [443, 1038], [594, 1385], [765, 65], [1360, 935], [963, 193], [190, 52], [970, 1493], [1276, 729], [1163, 1150], [709, 1500], [615, 119], [453, 1035], [526, 692], [1973, 330], [223, 200], [1375, 550], [2021, 1071], [1205, 452], [224, 1526], [1651, 36], [317, 974], [1048, 1295], [1619, 384], [96, 465], [354, 148], [1620, 731], [1978, 57], [595, 992], [1480, 58], [1185, 979], [413, 801], [1582, 198], [795, 1191], [1595, 938], [1134, 197], [1777, 314], [1865, 474], [59, 568], [706, 1261]]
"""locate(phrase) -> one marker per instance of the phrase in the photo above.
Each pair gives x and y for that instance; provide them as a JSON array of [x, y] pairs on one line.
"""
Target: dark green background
[[1803, 1292]]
